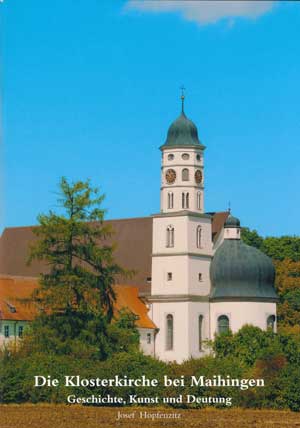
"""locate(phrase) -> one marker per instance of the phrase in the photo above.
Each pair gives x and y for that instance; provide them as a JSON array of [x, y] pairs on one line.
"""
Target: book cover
[[149, 249]]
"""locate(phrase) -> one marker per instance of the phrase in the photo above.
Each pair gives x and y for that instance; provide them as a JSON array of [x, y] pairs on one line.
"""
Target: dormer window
[[11, 308]]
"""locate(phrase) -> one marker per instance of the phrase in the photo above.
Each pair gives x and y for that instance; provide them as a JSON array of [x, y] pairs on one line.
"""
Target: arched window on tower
[[170, 236], [187, 200], [199, 236], [185, 174], [199, 200], [200, 331], [170, 200], [271, 322], [223, 324], [170, 332]]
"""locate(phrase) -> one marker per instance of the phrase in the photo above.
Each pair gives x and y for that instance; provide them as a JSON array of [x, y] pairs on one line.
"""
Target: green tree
[[283, 247], [76, 295], [288, 288], [251, 237], [82, 269]]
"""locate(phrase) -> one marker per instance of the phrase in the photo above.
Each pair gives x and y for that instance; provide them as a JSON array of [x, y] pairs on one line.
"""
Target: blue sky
[[89, 90]]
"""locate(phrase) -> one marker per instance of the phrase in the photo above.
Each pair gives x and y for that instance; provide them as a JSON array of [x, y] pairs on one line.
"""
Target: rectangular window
[[170, 276], [20, 331], [148, 338], [6, 331], [200, 276]]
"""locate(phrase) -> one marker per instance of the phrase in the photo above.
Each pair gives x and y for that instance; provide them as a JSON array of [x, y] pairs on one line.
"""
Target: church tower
[[182, 247]]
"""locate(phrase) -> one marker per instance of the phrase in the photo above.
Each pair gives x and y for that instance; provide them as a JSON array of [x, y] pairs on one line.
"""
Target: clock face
[[198, 176], [170, 176]]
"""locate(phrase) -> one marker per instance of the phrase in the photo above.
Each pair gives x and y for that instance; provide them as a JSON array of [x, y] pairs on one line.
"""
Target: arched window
[[199, 237], [200, 330], [170, 332], [271, 322], [187, 200], [223, 324], [185, 174], [199, 200], [170, 236], [170, 200]]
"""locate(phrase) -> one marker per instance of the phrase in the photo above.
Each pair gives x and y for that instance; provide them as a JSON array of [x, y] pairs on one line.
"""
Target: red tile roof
[[15, 290], [12, 291]]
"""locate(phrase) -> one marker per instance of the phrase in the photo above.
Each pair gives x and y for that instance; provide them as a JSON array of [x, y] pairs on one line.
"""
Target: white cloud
[[205, 11]]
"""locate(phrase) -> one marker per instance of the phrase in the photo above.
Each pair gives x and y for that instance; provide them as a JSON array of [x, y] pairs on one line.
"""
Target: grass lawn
[[62, 416]]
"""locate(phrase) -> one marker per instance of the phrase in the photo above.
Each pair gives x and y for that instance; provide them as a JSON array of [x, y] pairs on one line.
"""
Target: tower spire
[[182, 98], [229, 207]]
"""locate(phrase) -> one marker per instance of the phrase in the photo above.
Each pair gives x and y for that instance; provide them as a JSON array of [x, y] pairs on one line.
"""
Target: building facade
[[200, 287], [194, 278]]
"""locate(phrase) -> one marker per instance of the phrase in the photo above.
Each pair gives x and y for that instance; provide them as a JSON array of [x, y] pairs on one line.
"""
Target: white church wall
[[185, 271], [241, 313], [198, 276], [160, 225], [180, 312], [195, 310], [147, 337], [177, 266], [205, 242], [186, 329]]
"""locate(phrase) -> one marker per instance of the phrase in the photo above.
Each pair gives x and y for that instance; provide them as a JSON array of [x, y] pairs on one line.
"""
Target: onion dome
[[241, 272], [182, 133], [232, 222]]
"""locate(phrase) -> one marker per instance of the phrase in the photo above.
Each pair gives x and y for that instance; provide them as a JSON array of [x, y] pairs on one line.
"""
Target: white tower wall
[[185, 329], [180, 186]]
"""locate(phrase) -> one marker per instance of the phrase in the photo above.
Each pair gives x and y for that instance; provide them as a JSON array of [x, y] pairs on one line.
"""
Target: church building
[[195, 276]]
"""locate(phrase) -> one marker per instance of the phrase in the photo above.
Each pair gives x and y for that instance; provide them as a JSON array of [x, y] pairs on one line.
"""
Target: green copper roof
[[232, 221], [240, 271], [183, 132]]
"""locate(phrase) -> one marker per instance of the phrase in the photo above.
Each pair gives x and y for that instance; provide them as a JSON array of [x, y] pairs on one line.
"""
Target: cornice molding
[[177, 298], [182, 214], [183, 253]]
